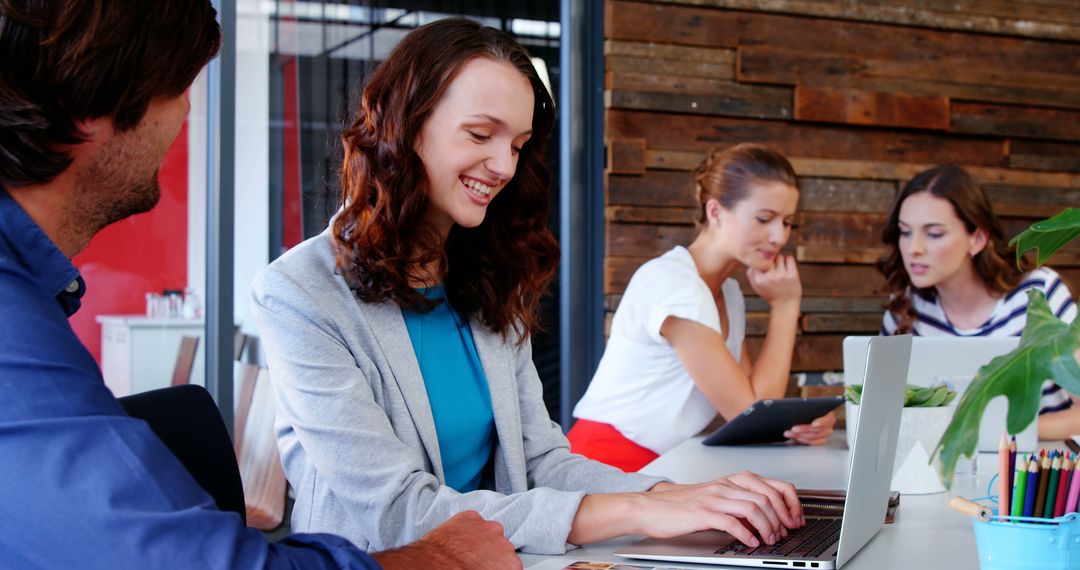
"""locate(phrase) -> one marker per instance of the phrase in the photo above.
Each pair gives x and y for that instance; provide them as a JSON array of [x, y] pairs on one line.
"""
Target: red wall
[[147, 252]]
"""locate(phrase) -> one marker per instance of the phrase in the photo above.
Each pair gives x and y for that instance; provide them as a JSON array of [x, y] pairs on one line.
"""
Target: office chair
[[187, 421]]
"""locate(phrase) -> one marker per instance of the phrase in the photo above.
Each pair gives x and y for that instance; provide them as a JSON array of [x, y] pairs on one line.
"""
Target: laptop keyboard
[[807, 542]]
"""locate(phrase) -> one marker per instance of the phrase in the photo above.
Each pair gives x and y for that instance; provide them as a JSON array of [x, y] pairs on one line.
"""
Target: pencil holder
[[1007, 543]]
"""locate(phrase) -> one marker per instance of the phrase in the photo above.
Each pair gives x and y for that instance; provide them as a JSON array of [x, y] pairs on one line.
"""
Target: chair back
[[185, 360], [188, 422], [256, 449]]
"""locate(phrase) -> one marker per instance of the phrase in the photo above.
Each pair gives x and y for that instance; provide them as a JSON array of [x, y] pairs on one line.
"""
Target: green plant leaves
[[914, 396], [1045, 353], [1047, 236]]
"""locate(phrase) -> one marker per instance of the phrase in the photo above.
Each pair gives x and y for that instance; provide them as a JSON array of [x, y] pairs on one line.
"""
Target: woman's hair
[[972, 206], [727, 175], [497, 270], [62, 62]]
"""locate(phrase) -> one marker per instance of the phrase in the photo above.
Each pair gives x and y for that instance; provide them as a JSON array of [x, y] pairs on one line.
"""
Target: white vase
[[920, 431]]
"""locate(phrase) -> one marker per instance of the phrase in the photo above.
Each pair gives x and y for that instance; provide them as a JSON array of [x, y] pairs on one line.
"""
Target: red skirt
[[605, 444]]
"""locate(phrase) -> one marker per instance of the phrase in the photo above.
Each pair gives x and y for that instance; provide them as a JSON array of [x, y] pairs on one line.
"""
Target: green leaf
[[920, 397], [938, 398], [1045, 352], [1047, 236], [853, 393]]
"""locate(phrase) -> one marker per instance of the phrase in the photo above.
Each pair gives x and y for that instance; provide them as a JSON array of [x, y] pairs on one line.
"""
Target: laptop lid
[[869, 476], [874, 451], [954, 361]]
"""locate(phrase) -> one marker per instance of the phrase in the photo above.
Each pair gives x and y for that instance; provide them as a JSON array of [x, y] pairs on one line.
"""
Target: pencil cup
[[1011, 543]]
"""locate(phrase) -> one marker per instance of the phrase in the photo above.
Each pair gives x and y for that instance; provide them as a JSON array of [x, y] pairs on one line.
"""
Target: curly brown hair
[[498, 270], [972, 206]]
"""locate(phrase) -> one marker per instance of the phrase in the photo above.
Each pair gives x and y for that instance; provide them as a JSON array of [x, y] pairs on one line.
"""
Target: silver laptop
[[825, 542], [953, 361]]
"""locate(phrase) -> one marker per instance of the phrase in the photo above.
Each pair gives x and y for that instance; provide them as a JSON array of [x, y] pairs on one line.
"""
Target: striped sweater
[[1008, 319]]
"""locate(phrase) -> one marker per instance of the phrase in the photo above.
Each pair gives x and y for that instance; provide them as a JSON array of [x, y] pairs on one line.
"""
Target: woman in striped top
[[949, 272]]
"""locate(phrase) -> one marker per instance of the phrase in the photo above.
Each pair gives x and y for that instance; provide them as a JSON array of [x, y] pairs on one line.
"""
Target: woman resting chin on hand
[[676, 356]]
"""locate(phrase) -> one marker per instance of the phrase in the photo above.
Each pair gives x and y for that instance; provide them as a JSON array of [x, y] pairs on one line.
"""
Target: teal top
[[457, 390]]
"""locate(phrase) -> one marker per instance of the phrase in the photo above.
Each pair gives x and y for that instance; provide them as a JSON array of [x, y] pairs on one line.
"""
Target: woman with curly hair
[[949, 272], [676, 356], [398, 339]]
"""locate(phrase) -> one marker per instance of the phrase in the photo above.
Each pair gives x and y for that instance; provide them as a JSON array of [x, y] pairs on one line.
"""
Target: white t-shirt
[[641, 387], [1008, 319]]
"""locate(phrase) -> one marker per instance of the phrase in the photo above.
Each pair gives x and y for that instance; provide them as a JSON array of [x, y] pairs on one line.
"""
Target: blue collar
[[30, 249]]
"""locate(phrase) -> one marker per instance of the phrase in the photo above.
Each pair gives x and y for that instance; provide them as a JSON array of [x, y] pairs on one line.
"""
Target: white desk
[[927, 534]]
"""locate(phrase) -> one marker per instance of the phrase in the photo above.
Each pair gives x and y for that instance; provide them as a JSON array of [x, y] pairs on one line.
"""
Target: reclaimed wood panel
[[849, 229], [1046, 20], [652, 50], [845, 195], [686, 85], [1044, 155], [711, 69], [839, 253], [688, 132], [645, 240], [653, 215], [822, 69], [1030, 201], [686, 26], [739, 101], [813, 353], [860, 107], [626, 156], [1015, 120], [855, 323], [655, 188]]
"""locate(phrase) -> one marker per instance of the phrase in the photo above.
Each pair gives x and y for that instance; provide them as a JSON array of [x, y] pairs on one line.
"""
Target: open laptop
[[825, 542], [954, 361]]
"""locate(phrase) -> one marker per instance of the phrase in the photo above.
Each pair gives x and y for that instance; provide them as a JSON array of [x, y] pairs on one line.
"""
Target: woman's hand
[[813, 433], [743, 505], [779, 284]]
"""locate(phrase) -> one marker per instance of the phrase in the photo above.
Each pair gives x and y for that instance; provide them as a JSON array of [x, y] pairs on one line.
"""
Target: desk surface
[[926, 534]]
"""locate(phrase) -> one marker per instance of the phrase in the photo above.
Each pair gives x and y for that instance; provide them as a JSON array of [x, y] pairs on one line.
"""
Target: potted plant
[[1046, 352], [924, 418]]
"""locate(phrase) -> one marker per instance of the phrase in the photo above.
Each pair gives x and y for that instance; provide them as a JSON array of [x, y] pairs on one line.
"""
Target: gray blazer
[[355, 429]]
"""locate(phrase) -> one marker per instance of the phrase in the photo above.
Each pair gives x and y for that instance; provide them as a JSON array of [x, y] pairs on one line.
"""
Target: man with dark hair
[[92, 94]]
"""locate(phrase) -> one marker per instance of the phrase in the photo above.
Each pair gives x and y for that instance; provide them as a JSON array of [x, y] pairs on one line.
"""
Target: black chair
[[187, 421]]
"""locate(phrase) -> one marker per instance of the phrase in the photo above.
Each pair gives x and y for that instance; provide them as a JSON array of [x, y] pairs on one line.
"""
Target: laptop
[[825, 542], [954, 361]]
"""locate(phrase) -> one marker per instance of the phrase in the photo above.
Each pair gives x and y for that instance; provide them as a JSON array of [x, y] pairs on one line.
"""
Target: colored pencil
[[1052, 487], [1044, 482], [1074, 489], [1019, 488], [1004, 476], [1032, 487], [1063, 487], [1012, 454]]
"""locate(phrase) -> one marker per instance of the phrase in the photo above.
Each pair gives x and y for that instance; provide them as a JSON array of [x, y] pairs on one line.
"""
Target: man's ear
[[95, 131]]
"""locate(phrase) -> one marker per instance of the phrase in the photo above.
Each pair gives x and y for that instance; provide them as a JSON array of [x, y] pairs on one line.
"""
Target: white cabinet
[[138, 353]]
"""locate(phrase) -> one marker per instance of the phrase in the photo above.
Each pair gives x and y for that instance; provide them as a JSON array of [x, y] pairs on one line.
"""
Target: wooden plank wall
[[860, 96]]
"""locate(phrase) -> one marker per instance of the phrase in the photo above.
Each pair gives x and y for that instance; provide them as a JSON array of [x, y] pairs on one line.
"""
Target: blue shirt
[[456, 388], [82, 485]]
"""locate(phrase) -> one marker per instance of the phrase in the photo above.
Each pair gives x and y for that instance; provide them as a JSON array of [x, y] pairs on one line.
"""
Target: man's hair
[[63, 61]]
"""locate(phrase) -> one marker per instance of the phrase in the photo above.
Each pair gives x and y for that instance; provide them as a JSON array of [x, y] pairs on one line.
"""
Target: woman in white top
[[676, 356], [950, 273]]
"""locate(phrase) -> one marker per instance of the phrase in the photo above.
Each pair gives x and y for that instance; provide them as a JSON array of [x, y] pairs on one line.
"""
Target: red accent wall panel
[[147, 252]]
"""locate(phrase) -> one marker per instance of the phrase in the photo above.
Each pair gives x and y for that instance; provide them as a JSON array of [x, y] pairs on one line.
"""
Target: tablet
[[765, 421]]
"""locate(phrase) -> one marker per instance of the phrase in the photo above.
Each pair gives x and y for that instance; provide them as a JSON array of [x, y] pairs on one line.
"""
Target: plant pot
[[920, 431]]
